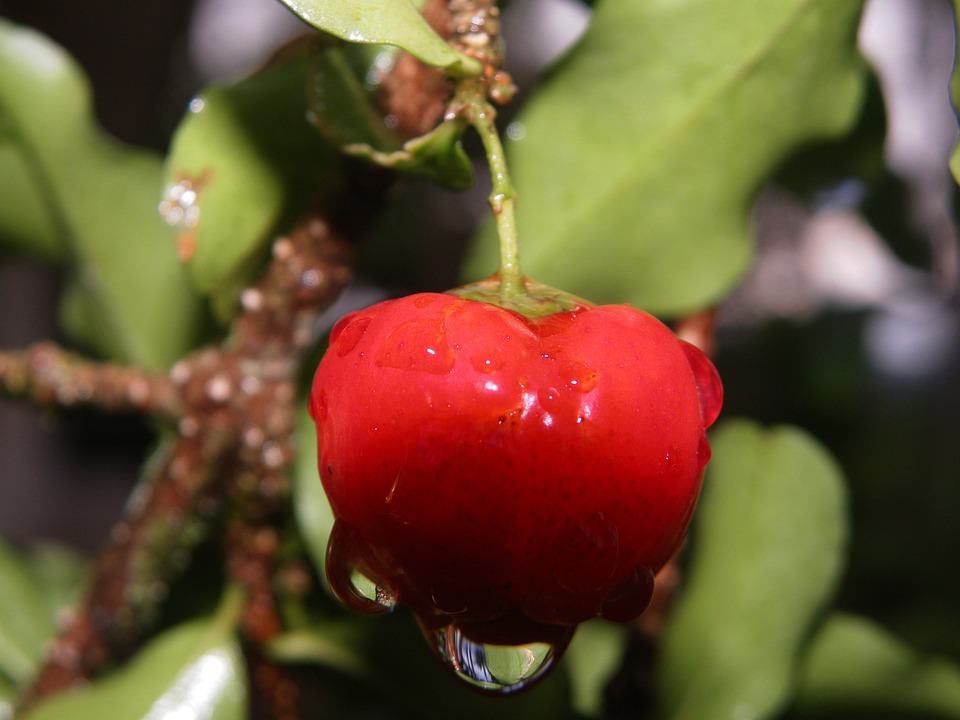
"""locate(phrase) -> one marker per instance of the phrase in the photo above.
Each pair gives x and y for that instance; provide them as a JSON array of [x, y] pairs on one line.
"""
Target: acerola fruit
[[507, 477]]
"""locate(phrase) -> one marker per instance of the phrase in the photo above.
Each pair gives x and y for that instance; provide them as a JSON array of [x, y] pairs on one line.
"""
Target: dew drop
[[352, 586], [425, 299], [703, 451], [549, 398], [590, 550], [630, 598], [348, 331], [496, 669], [318, 406], [418, 344], [579, 376], [709, 387], [553, 324], [488, 361]]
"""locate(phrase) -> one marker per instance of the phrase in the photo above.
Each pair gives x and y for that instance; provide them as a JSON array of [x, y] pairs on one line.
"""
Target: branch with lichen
[[234, 408]]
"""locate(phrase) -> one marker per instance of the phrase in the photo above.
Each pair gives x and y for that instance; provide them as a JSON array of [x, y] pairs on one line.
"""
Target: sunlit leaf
[[387, 22], [70, 192], [194, 670], [855, 668], [641, 154], [765, 558]]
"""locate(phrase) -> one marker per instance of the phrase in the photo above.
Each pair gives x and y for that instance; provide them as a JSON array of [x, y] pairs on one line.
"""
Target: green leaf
[[193, 670], [34, 587], [72, 193], [26, 225], [592, 660], [855, 668], [330, 644], [767, 552], [385, 22], [245, 160], [643, 150]]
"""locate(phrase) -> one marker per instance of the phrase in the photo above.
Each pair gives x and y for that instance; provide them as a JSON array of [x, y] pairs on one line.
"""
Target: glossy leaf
[[193, 670], [386, 22], [766, 555], [70, 192], [35, 586], [642, 152], [855, 668], [244, 161]]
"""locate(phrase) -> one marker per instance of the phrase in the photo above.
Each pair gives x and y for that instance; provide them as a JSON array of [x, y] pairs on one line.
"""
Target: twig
[[235, 408], [50, 376]]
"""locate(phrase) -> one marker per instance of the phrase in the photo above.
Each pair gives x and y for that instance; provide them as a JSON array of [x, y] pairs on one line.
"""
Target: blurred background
[[848, 325]]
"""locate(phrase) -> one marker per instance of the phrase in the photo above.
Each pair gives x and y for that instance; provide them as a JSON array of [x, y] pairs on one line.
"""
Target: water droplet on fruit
[[553, 324], [419, 344], [631, 597], [703, 451], [579, 376], [709, 387], [347, 332], [425, 299], [549, 398], [351, 586], [589, 548], [488, 361], [318, 406], [497, 669]]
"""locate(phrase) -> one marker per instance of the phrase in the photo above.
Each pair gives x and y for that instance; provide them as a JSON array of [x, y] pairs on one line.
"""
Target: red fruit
[[507, 477]]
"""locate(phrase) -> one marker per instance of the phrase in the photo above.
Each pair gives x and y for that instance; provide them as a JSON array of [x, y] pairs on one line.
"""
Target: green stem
[[502, 197]]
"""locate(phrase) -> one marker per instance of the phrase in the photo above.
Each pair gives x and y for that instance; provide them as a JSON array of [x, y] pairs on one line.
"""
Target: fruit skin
[[515, 475]]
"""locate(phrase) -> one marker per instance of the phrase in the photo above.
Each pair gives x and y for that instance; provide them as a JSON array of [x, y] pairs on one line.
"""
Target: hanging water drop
[[496, 669], [352, 586], [709, 387]]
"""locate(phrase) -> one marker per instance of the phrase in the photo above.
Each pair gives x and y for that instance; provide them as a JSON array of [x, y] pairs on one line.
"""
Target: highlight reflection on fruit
[[506, 476]]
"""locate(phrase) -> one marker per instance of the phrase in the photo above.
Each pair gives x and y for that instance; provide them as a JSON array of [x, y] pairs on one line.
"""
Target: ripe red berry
[[507, 477]]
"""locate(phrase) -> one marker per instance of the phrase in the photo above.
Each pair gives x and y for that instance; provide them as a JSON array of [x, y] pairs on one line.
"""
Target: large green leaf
[[70, 192], [767, 552], [195, 670], [244, 161], [856, 669], [35, 586], [387, 22], [642, 152]]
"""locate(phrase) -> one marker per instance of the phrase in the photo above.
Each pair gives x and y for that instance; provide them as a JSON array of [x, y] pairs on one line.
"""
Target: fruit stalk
[[482, 116]]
